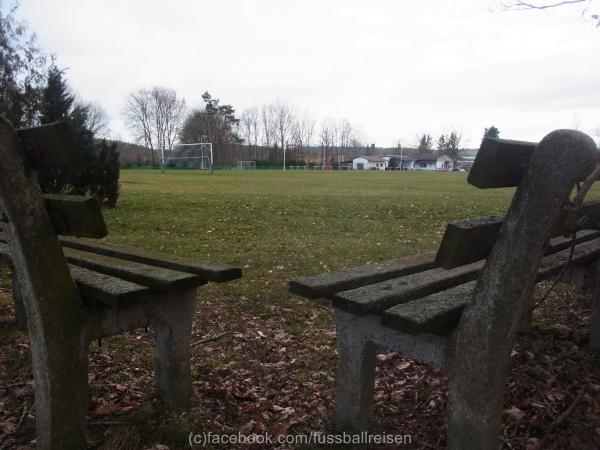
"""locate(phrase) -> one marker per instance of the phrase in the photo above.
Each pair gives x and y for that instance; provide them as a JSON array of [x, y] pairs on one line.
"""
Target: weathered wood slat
[[431, 313], [76, 215], [325, 285], [50, 146], [95, 286], [107, 289], [157, 278], [500, 163], [379, 296], [374, 298], [207, 271], [467, 241], [442, 310]]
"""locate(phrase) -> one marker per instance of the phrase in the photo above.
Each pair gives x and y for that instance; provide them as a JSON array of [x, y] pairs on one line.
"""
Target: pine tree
[[452, 145], [57, 100], [442, 145], [425, 144], [491, 133]]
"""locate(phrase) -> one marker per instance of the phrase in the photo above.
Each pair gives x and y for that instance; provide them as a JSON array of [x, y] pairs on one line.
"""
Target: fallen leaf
[[514, 413], [108, 408]]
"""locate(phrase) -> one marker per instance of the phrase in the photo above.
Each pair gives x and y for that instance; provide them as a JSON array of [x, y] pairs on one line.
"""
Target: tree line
[[268, 134], [449, 143], [158, 119]]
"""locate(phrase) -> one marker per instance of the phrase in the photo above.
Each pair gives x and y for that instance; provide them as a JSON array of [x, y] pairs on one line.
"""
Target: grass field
[[281, 225], [263, 359]]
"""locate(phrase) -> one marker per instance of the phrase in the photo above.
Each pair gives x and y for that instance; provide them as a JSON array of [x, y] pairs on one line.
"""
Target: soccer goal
[[198, 155], [247, 165]]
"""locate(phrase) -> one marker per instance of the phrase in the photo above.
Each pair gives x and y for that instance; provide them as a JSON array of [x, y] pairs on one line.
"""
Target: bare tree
[[309, 129], [327, 138], [249, 127], [302, 130], [345, 132], [266, 118], [155, 117], [356, 141], [169, 111], [282, 121], [97, 120], [138, 118], [585, 13]]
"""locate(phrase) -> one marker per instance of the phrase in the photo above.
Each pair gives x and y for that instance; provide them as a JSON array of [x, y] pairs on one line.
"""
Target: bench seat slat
[[377, 297], [325, 285], [105, 288], [429, 313], [156, 278], [207, 271], [95, 286], [442, 310]]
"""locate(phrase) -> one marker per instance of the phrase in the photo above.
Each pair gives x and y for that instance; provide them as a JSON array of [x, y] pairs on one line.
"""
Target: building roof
[[430, 157], [403, 157], [378, 159]]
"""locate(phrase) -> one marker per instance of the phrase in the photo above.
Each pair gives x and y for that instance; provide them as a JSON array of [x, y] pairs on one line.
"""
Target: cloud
[[394, 69]]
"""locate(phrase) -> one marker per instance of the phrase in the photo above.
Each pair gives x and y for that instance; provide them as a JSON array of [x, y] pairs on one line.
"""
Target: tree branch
[[518, 4]]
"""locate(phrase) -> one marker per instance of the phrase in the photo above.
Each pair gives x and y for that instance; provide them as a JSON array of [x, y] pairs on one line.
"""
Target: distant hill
[[133, 154]]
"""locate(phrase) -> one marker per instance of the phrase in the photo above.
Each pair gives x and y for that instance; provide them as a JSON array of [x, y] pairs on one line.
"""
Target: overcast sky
[[394, 69]]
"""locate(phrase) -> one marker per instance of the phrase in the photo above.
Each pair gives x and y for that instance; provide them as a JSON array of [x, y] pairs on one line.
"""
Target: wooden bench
[[460, 309], [71, 291]]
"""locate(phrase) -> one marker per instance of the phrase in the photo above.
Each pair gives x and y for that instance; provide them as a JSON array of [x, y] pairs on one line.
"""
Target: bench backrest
[[499, 163], [489, 323], [51, 299]]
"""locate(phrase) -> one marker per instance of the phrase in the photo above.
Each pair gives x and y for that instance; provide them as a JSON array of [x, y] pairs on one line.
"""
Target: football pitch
[[281, 225]]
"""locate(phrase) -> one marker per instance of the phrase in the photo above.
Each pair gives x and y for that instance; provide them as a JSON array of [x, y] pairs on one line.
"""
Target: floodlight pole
[[284, 158], [162, 159]]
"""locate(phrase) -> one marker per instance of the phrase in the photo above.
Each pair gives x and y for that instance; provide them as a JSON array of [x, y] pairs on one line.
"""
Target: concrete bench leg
[[355, 378], [173, 327]]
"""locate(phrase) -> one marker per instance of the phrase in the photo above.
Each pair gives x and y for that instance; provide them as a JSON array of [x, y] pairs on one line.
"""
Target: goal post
[[247, 165], [198, 154]]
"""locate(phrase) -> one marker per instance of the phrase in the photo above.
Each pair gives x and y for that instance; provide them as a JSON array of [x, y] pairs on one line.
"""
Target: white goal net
[[195, 156], [247, 165]]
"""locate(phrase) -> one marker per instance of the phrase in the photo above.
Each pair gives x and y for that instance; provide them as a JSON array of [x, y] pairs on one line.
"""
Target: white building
[[433, 162], [369, 163]]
